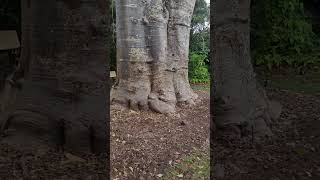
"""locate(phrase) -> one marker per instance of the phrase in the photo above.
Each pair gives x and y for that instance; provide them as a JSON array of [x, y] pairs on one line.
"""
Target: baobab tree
[[63, 99], [152, 54], [240, 102]]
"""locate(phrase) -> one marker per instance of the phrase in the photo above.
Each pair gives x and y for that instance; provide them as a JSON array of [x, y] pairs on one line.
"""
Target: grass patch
[[194, 167], [308, 83], [297, 84], [201, 87]]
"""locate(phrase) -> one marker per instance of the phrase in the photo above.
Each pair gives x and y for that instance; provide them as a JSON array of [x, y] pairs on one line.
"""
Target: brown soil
[[292, 154], [144, 145]]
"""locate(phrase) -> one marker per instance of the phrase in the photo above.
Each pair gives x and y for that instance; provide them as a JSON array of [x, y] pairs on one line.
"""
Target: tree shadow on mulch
[[51, 164], [293, 153]]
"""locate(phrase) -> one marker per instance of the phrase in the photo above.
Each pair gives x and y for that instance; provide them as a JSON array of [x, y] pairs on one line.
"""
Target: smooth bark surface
[[153, 43], [63, 101], [240, 101]]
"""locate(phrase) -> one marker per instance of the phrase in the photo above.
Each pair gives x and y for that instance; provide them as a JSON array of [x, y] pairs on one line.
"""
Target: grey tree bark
[[240, 102], [152, 47], [63, 101]]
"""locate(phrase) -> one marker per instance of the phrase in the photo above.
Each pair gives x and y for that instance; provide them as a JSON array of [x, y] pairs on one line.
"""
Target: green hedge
[[282, 34], [198, 70]]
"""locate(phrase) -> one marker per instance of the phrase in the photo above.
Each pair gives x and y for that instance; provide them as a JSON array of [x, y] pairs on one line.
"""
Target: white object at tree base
[[113, 74]]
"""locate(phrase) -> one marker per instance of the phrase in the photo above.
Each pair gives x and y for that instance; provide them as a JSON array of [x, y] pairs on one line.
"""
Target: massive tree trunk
[[63, 101], [240, 102], [152, 47]]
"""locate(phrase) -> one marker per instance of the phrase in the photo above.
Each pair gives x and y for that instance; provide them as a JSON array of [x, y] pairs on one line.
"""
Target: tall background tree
[[199, 35], [199, 43]]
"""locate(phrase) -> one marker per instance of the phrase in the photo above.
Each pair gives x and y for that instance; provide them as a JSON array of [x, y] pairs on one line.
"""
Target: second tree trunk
[[153, 49]]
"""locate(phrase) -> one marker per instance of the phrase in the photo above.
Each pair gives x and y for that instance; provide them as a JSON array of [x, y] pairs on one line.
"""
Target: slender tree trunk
[[133, 85], [63, 101], [240, 101], [153, 43], [178, 51]]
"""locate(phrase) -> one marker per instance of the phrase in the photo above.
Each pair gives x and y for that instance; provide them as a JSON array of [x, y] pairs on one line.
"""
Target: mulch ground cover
[[144, 145], [293, 152]]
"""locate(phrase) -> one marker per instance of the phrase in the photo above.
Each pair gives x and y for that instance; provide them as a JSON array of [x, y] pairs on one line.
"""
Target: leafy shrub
[[282, 34], [198, 70], [199, 44]]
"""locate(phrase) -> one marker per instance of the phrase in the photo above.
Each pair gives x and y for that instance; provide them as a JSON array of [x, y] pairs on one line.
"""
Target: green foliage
[[198, 70], [199, 44], [200, 41], [200, 34], [282, 34], [200, 15]]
